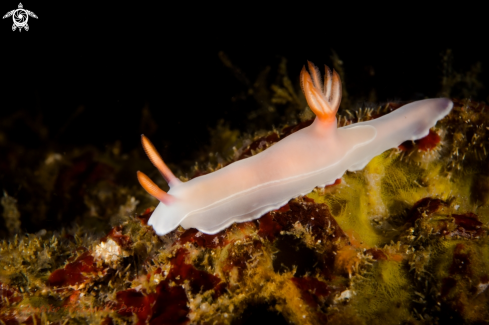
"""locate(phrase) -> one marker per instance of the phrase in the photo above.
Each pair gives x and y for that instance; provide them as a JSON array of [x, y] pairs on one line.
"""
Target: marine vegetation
[[403, 240]]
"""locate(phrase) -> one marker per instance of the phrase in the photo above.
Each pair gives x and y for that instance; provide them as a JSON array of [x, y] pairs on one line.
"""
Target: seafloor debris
[[402, 241]]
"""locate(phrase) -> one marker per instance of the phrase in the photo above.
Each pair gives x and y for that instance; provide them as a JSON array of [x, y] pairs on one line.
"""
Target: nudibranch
[[314, 156]]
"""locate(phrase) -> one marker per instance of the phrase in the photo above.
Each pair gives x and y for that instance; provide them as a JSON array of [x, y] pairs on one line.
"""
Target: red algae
[[132, 301], [116, 235], [198, 280], [243, 226], [427, 143], [9, 294], [376, 254], [426, 206], [311, 290], [464, 225], [285, 208], [192, 235], [269, 228], [239, 259], [314, 216], [168, 305], [468, 225], [9, 320], [336, 182], [73, 273], [326, 263], [144, 217]]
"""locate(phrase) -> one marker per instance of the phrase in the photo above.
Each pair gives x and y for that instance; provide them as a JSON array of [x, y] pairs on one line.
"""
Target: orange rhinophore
[[155, 158], [153, 189]]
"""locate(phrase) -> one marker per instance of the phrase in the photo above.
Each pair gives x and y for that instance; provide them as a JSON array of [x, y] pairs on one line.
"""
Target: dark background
[[86, 71]]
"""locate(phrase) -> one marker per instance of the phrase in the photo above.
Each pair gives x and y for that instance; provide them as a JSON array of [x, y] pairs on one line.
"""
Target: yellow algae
[[386, 291], [374, 173]]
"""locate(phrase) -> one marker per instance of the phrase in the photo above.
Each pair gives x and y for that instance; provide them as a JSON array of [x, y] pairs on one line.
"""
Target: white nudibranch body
[[314, 156]]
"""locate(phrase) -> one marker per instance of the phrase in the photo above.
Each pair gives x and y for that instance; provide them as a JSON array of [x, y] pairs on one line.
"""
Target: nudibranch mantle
[[314, 156]]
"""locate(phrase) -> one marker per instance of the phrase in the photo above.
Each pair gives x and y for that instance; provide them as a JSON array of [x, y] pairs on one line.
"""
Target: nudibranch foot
[[314, 156]]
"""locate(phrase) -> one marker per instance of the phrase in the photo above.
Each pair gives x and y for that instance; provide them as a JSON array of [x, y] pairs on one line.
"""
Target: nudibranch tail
[[323, 101], [153, 189], [155, 158]]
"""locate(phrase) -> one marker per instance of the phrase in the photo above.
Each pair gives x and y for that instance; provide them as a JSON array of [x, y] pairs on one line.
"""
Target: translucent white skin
[[314, 156]]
